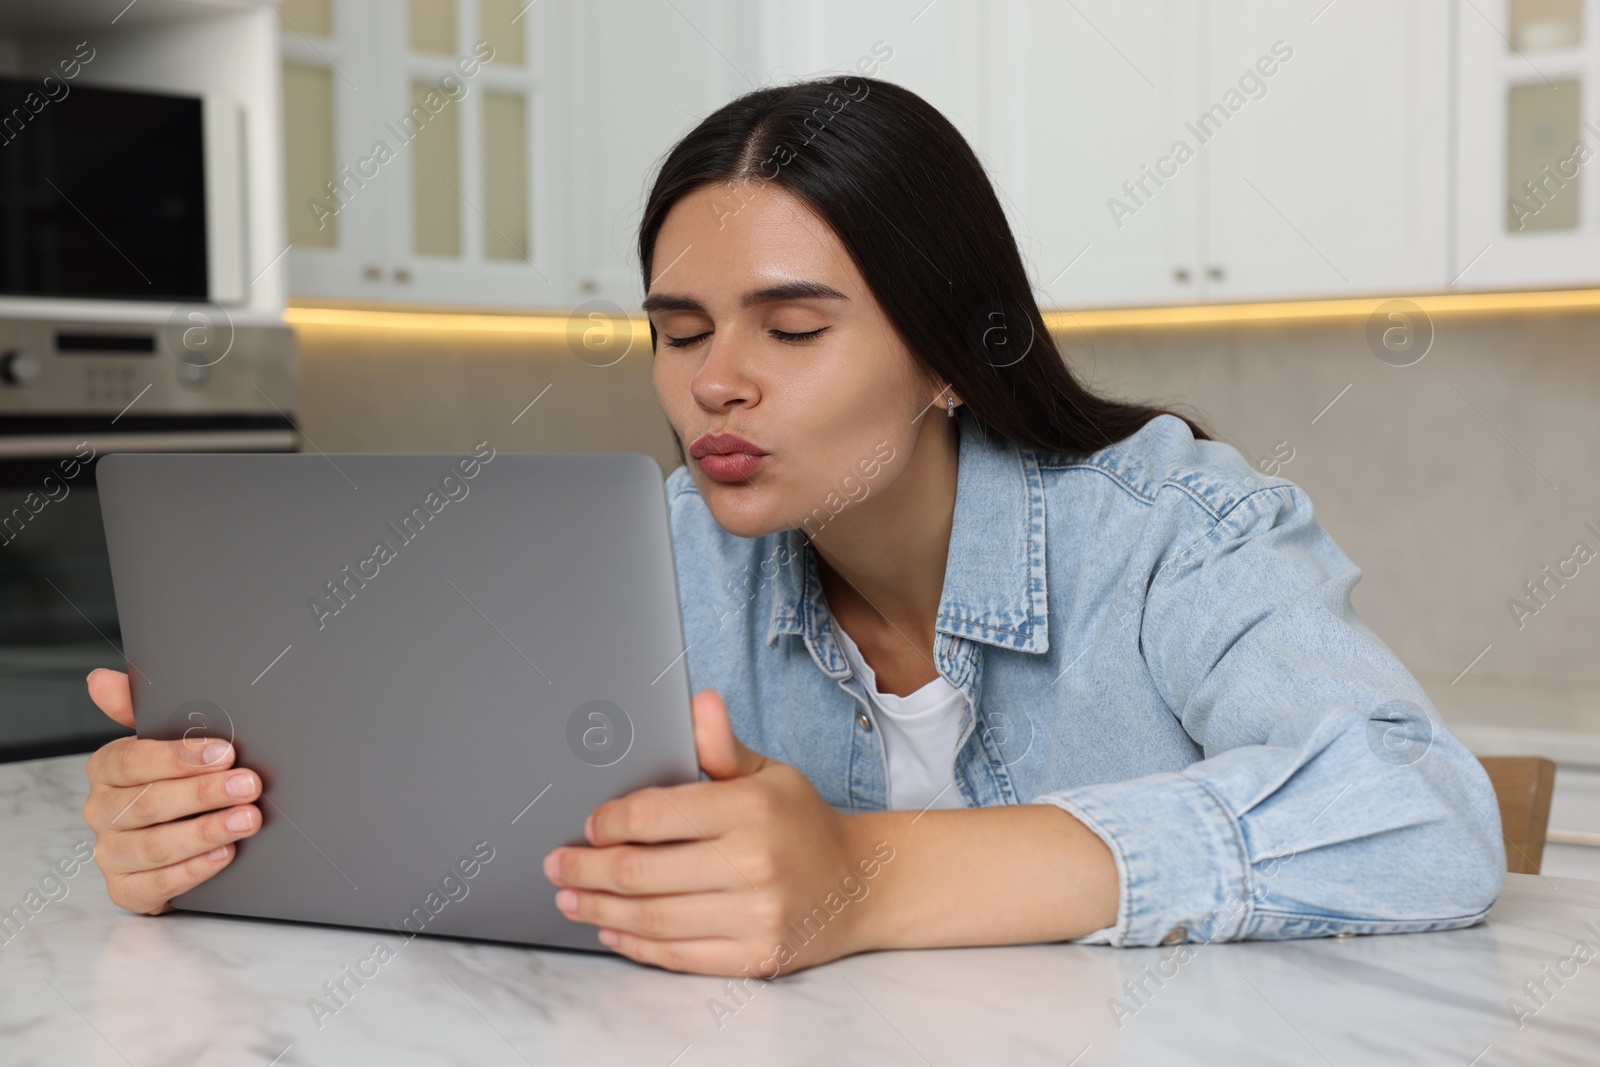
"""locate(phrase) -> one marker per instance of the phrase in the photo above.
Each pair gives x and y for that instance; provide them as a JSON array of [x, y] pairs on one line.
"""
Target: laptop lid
[[438, 664]]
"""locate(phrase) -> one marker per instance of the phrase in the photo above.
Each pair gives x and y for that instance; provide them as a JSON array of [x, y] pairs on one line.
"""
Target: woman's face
[[766, 331]]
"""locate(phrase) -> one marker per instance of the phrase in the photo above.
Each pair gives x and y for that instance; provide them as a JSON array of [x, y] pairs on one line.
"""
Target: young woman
[[981, 658]]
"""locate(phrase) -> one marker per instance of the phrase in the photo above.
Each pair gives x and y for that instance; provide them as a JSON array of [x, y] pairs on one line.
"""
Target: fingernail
[[552, 866], [216, 752], [91, 674], [240, 820], [217, 855], [608, 938], [567, 900], [588, 828], [241, 784]]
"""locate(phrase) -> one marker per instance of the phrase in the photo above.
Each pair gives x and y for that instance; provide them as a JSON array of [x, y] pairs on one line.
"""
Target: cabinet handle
[[372, 272], [1180, 274], [1214, 272], [401, 274]]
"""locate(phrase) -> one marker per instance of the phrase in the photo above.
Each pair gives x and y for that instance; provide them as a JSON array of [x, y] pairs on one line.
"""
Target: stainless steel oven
[[73, 388]]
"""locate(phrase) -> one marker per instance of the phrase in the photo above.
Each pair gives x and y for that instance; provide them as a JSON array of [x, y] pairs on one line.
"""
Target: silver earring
[[949, 406]]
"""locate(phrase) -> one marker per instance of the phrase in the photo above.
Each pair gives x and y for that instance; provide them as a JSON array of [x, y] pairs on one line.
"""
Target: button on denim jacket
[[1158, 639]]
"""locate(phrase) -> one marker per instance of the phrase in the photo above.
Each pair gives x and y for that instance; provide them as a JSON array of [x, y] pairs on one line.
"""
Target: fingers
[[709, 955], [647, 870], [164, 846], [140, 796], [697, 811], [721, 754], [148, 892], [133, 761], [109, 691], [678, 917], [133, 807]]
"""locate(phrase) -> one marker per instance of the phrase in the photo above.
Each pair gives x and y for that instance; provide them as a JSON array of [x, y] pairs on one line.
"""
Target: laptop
[[438, 664]]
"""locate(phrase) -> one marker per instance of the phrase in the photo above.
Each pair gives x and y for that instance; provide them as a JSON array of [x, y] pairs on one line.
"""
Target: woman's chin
[[740, 510]]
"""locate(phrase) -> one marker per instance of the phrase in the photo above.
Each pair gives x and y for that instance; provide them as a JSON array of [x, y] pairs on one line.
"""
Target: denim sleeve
[[1330, 798]]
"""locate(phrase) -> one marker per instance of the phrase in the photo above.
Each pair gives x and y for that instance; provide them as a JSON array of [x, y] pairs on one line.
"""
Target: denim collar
[[994, 580]]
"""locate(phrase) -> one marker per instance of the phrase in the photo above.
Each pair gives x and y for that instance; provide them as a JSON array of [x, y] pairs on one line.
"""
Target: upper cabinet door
[[1069, 106], [1529, 87], [411, 154], [640, 75], [1325, 148], [334, 221], [1087, 110]]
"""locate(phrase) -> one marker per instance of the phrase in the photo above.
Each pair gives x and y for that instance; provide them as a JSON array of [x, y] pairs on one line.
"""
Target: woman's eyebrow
[[797, 290], [772, 294], [671, 302]]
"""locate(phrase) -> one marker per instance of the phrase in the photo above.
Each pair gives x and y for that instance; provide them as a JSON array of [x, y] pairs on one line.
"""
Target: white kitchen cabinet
[[525, 189], [640, 74], [1145, 154], [1330, 177], [416, 137], [1062, 103], [1529, 88], [1098, 95]]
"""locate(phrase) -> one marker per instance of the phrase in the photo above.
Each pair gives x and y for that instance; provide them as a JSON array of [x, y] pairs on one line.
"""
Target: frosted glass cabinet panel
[[433, 26], [1529, 94], [1541, 24], [411, 153], [505, 176], [435, 175], [308, 110], [314, 18], [1542, 123]]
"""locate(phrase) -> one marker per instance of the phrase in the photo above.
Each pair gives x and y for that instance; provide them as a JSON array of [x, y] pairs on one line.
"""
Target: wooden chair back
[[1523, 785]]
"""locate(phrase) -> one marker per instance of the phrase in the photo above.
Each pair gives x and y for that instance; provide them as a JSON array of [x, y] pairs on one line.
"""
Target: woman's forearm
[[983, 876]]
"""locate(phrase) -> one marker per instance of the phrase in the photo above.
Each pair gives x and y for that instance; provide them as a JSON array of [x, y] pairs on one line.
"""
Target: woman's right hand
[[141, 791]]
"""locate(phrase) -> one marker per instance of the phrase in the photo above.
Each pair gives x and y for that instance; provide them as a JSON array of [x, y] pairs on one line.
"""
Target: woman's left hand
[[708, 877]]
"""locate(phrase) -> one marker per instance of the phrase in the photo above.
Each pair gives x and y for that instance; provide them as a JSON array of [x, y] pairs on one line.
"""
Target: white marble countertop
[[84, 983]]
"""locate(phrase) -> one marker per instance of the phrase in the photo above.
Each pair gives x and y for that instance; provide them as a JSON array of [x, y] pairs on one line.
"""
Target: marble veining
[[84, 983]]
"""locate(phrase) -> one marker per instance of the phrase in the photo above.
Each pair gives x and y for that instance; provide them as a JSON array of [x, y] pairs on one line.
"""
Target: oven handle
[[34, 446]]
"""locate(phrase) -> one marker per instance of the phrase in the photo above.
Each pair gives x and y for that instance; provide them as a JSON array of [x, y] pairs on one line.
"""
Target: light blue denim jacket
[[1158, 639]]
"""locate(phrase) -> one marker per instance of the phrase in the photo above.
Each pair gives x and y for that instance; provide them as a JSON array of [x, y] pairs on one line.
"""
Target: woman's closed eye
[[779, 335], [785, 335], [685, 342]]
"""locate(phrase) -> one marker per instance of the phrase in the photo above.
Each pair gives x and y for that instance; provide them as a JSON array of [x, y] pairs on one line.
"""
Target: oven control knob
[[20, 368]]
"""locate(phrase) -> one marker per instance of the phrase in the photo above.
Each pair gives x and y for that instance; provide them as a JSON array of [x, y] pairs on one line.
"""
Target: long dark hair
[[912, 204]]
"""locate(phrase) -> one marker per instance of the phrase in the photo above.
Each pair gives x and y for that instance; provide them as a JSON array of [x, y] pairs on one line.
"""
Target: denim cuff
[[1182, 868]]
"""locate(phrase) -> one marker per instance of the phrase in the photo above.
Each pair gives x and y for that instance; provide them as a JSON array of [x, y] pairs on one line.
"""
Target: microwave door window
[[102, 194]]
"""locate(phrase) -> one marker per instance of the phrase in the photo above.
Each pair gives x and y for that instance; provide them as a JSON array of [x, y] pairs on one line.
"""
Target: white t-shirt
[[920, 732]]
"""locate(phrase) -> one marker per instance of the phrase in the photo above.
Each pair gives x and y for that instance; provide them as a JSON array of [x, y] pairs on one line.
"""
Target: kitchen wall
[[1451, 482], [390, 390]]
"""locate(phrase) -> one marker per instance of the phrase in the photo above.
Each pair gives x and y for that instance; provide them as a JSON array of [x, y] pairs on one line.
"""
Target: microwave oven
[[115, 194]]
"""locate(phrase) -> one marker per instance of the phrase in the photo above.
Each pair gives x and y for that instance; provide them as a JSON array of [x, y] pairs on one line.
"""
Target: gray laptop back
[[438, 664]]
